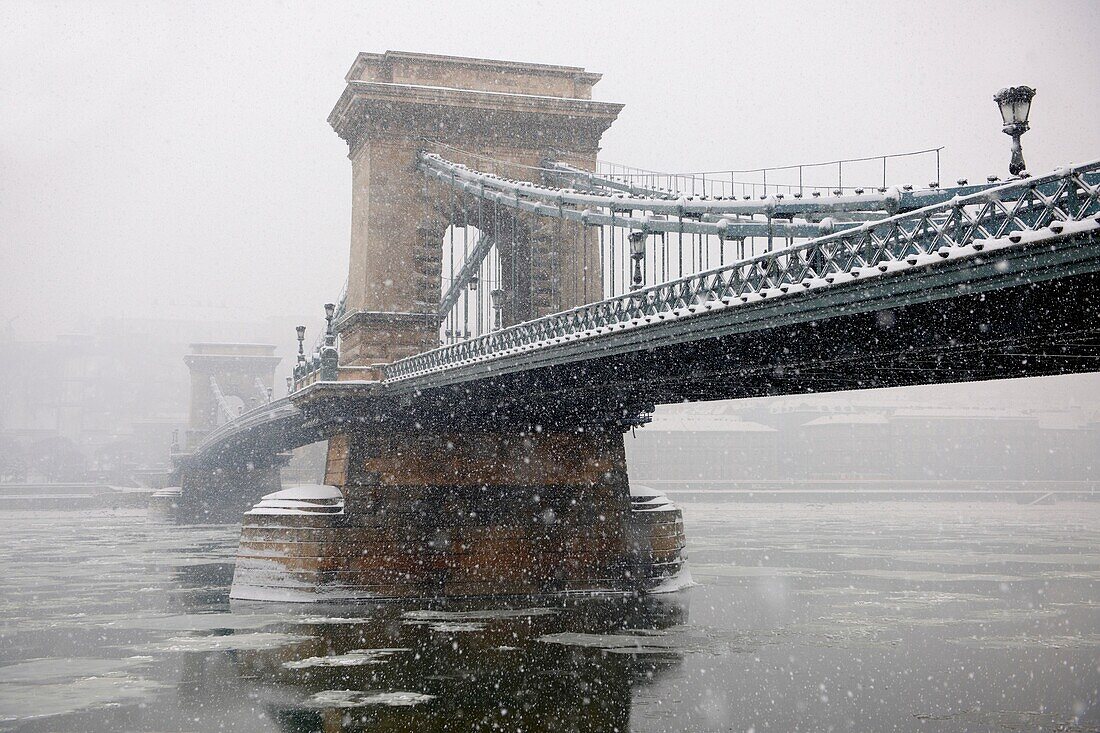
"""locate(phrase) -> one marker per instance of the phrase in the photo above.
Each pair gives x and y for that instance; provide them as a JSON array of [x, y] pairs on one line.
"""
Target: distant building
[[106, 403], [827, 439]]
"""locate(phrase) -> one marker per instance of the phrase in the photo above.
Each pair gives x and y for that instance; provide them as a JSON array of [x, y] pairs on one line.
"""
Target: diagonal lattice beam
[[466, 273]]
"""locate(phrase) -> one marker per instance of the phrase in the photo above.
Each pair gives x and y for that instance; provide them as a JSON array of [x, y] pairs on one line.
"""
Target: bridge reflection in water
[[573, 667]]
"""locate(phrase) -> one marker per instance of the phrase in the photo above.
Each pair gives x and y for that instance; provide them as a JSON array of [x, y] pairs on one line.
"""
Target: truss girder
[[465, 275]]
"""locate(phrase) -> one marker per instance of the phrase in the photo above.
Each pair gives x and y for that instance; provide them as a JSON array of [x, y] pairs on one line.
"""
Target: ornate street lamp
[[637, 253], [497, 296], [330, 357], [330, 311], [301, 345], [1015, 104]]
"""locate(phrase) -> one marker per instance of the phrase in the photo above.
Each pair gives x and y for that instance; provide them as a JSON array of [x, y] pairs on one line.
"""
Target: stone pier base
[[471, 514], [221, 494]]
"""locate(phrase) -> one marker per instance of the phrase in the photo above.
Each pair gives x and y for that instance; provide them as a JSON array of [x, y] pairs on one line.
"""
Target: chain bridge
[[514, 305]]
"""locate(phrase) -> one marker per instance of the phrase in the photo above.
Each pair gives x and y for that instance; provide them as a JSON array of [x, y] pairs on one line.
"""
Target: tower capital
[[478, 102]]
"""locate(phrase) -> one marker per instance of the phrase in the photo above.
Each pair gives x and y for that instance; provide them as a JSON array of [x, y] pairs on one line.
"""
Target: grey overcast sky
[[172, 159]]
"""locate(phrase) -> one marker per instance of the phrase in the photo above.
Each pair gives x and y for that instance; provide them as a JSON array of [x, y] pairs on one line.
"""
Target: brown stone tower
[[397, 104]]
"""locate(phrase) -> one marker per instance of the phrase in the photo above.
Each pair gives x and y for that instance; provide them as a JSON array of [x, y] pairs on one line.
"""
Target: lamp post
[[330, 311], [301, 344], [497, 296], [1015, 105], [330, 357], [637, 253]]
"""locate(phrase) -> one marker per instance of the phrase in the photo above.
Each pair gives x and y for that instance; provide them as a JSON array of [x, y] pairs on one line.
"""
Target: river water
[[908, 616]]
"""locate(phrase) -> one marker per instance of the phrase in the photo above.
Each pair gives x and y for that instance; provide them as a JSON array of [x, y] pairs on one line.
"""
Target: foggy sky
[[171, 159]]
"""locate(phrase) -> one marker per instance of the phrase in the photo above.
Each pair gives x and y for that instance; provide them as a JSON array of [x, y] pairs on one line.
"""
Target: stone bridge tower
[[240, 371], [244, 374], [397, 104]]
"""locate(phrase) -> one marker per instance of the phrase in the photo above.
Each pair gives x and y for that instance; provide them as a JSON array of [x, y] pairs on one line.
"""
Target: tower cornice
[[436, 111]]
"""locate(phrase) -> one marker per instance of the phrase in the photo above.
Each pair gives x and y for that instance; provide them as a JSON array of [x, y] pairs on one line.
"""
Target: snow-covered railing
[[264, 413], [728, 182], [1055, 201]]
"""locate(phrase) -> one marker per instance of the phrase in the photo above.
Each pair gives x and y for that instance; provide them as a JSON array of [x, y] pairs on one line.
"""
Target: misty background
[[167, 176]]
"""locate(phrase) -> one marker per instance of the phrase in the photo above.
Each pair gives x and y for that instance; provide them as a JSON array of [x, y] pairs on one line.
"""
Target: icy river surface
[[907, 616]]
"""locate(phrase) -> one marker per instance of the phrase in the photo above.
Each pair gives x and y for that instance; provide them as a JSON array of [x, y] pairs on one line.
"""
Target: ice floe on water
[[40, 688], [55, 669], [29, 701], [469, 621], [236, 642], [935, 576], [979, 556], [981, 616], [752, 571], [1030, 641], [834, 633], [1007, 720], [353, 658], [844, 592], [360, 699], [674, 640], [923, 599], [618, 643], [335, 620], [487, 614], [677, 640], [192, 622], [451, 627]]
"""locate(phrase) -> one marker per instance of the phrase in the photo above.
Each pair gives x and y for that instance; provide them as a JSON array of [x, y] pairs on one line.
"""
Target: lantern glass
[[1015, 104], [330, 309], [637, 244], [1021, 108], [301, 332]]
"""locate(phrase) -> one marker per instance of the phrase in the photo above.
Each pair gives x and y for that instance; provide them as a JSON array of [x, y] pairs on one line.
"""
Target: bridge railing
[[260, 414], [796, 179], [1068, 194]]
